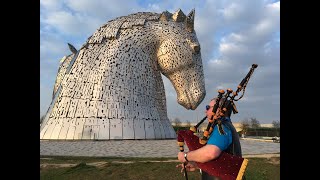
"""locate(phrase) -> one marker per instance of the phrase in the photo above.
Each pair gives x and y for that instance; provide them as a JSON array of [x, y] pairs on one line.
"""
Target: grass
[[263, 169], [141, 168], [78, 159]]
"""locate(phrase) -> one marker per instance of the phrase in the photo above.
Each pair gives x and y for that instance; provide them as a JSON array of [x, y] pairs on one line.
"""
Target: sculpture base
[[105, 129]]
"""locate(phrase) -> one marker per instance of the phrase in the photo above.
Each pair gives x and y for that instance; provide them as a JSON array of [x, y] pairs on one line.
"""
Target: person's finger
[[179, 165], [182, 170]]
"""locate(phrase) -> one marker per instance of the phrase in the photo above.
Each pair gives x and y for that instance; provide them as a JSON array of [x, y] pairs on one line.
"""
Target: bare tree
[[244, 126], [188, 123], [276, 124], [171, 121], [254, 123], [177, 121]]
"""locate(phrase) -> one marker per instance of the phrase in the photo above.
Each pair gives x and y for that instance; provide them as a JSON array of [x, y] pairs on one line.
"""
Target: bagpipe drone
[[227, 166]]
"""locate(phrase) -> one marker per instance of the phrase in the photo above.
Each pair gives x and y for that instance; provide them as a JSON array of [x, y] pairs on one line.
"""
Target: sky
[[233, 34]]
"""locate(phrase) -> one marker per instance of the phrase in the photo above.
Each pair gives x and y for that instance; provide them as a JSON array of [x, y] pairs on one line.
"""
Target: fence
[[266, 132]]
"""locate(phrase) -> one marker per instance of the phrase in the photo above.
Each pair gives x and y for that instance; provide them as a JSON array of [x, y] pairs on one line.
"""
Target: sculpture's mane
[[111, 28]]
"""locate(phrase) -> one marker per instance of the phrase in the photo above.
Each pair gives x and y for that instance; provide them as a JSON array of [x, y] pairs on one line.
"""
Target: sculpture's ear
[[179, 16], [190, 21], [72, 49], [62, 59], [165, 16]]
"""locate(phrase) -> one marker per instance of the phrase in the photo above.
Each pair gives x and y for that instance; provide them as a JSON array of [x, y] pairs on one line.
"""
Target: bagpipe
[[227, 166]]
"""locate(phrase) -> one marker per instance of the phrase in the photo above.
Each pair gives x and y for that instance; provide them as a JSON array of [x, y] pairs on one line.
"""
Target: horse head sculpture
[[179, 58], [111, 88]]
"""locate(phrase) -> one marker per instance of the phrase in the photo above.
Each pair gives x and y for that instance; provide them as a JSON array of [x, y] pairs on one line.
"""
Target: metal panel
[[116, 129], [165, 129], [48, 132], [161, 130], [86, 134], [157, 131], [72, 108], [56, 131], [128, 130], [65, 128], [89, 128], [149, 129], [114, 88], [45, 127], [104, 129], [95, 132], [139, 130], [79, 128], [71, 131], [72, 128]]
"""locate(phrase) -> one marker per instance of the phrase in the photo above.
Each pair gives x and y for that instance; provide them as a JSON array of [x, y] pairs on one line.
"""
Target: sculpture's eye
[[195, 48]]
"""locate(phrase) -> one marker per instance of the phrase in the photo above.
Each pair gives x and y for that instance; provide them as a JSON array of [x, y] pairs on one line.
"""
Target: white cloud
[[71, 24], [252, 99], [250, 40], [103, 9], [237, 10], [219, 65], [233, 48], [274, 6], [155, 8], [51, 4], [51, 45], [233, 11]]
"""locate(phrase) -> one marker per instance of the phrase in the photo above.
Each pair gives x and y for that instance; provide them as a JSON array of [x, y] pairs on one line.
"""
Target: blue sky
[[233, 35]]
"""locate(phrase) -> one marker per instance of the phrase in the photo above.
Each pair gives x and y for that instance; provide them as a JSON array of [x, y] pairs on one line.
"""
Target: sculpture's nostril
[[197, 49]]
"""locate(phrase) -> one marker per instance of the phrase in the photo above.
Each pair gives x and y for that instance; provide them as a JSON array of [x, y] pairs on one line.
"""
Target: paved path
[[138, 148]]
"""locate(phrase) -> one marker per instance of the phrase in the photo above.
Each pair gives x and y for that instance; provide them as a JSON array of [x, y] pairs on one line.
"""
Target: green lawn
[[140, 168]]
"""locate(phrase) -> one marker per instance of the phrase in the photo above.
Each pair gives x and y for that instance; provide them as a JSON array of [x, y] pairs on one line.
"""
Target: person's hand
[[189, 167], [181, 157]]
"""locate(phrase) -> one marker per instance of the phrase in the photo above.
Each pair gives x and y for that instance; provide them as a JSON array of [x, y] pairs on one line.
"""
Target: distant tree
[[171, 121], [177, 121], [244, 124], [254, 123], [188, 123], [276, 124]]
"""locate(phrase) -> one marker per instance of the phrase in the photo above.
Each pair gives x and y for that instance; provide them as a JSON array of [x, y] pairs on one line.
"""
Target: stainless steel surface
[[114, 89]]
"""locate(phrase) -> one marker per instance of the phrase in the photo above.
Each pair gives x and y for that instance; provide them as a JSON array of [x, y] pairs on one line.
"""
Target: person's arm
[[215, 145], [204, 154]]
